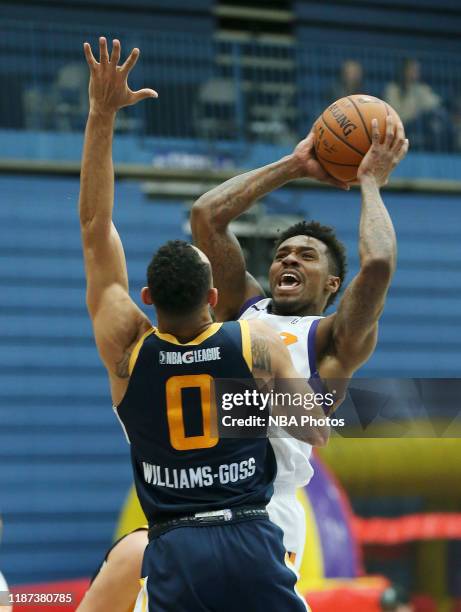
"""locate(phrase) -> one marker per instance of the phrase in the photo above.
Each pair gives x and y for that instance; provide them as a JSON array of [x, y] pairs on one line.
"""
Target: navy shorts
[[235, 567]]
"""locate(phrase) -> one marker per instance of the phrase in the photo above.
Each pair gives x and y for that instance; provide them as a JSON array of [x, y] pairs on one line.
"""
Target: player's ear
[[213, 297], [146, 296], [333, 284]]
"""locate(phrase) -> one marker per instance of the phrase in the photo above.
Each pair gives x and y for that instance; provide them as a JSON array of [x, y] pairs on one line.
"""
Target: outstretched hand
[[108, 89], [305, 153], [382, 158]]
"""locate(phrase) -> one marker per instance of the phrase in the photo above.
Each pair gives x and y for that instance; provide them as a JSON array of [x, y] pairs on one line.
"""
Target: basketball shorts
[[286, 511], [233, 567]]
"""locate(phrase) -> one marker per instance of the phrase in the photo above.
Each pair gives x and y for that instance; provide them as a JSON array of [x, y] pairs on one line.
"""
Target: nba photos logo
[[162, 357]]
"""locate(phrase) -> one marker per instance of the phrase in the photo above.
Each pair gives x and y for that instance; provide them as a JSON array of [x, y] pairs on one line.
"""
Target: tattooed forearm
[[122, 367], [229, 200], [377, 235], [261, 354]]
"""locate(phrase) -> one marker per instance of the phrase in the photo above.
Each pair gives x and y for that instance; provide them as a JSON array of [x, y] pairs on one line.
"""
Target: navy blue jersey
[[170, 415]]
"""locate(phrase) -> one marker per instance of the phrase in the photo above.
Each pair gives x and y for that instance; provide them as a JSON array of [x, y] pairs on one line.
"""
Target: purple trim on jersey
[[317, 386], [315, 381], [311, 348], [249, 303]]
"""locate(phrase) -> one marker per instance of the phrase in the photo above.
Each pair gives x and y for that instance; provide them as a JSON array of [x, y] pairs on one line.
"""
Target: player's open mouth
[[289, 281]]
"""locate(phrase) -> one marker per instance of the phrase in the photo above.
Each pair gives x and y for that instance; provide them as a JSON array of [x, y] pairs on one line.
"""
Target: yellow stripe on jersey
[[246, 344], [210, 331], [137, 348]]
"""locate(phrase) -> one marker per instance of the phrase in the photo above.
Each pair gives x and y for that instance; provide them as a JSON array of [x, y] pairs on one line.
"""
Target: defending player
[[306, 274], [236, 558]]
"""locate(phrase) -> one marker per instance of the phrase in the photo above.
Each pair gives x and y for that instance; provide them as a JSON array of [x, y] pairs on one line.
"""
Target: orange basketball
[[343, 133]]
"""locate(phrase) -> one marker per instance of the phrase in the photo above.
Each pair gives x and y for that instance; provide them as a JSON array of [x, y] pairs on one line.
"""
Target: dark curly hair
[[178, 279], [326, 234]]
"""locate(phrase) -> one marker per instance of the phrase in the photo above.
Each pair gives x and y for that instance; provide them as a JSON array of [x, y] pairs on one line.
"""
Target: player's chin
[[286, 303]]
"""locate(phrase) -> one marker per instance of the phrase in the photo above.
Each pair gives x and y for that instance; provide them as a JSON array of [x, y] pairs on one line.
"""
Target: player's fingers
[[142, 94], [403, 150], [375, 135], [390, 131], [309, 140], [89, 55], [337, 183], [116, 50], [103, 52], [131, 61], [399, 139]]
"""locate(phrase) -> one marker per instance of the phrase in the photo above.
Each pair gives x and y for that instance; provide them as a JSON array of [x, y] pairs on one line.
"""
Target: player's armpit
[[118, 324]]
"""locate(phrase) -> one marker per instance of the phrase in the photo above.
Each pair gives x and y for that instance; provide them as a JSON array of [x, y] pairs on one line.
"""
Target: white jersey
[[293, 467], [4, 589]]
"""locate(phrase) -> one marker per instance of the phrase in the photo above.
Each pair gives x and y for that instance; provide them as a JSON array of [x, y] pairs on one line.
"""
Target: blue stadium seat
[[58, 432]]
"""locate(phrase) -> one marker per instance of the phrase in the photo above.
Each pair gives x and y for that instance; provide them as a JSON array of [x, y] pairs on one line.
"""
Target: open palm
[[108, 89]]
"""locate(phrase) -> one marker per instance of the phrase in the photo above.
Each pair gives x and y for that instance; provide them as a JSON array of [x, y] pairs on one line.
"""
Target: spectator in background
[[350, 81], [409, 96], [420, 108]]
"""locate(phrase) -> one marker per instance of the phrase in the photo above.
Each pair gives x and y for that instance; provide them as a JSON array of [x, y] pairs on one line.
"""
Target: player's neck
[[187, 328]]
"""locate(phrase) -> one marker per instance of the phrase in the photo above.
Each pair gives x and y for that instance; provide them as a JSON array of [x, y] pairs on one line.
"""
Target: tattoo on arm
[[261, 354], [122, 367], [236, 195]]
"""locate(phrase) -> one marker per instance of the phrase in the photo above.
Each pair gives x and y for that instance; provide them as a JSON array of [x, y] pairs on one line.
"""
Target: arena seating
[[276, 87], [58, 431]]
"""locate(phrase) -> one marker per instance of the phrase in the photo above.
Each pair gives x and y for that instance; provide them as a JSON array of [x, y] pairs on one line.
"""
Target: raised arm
[[213, 212], [354, 326], [117, 321]]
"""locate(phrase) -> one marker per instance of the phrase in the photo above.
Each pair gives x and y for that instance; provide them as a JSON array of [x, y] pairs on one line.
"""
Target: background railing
[[213, 89]]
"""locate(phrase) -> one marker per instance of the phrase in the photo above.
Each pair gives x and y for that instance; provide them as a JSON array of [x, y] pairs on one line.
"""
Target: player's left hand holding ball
[[383, 157], [108, 89], [304, 152]]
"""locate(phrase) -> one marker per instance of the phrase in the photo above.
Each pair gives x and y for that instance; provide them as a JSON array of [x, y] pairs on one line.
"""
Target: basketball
[[343, 133]]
